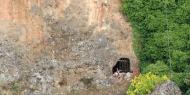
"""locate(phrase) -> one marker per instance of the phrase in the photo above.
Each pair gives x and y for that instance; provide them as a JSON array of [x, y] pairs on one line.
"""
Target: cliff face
[[51, 47]]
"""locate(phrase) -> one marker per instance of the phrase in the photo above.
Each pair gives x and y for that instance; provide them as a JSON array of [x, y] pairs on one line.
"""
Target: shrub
[[159, 68], [182, 80], [188, 92], [144, 84], [178, 78]]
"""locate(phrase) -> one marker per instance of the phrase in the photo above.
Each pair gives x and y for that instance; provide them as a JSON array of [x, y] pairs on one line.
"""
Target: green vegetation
[[15, 88], [145, 83], [158, 69], [162, 29], [188, 92]]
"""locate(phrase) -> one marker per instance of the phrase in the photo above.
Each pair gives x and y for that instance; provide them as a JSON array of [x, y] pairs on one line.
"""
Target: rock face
[[167, 88], [56, 47]]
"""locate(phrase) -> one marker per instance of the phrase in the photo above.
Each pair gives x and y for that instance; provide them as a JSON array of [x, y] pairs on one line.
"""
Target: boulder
[[167, 88]]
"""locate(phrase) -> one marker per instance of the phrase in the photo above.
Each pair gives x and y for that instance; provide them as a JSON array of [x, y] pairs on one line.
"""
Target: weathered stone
[[167, 88], [49, 45], [128, 76], [102, 83]]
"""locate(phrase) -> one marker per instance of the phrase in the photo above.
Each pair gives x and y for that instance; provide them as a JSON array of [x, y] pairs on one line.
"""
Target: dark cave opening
[[122, 66]]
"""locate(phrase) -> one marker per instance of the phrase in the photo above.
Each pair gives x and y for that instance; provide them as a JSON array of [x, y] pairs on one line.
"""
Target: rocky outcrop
[[167, 88], [48, 46]]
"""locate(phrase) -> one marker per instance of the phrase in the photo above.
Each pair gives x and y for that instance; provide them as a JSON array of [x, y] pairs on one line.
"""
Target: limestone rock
[[167, 88], [47, 46]]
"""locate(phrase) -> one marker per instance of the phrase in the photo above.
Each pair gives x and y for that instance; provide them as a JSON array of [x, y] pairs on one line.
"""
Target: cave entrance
[[122, 66]]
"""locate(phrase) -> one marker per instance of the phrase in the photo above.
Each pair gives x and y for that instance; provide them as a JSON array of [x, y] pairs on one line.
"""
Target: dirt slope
[[59, 47]]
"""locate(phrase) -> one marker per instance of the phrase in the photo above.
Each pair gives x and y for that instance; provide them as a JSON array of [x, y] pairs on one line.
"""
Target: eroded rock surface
[[59, 47], [167, 88]]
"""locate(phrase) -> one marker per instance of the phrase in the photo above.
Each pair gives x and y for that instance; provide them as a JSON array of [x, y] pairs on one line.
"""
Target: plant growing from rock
[[145, 83]]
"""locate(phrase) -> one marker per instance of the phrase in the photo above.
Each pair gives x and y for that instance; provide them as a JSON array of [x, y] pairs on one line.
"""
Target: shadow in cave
[[122, 66]]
